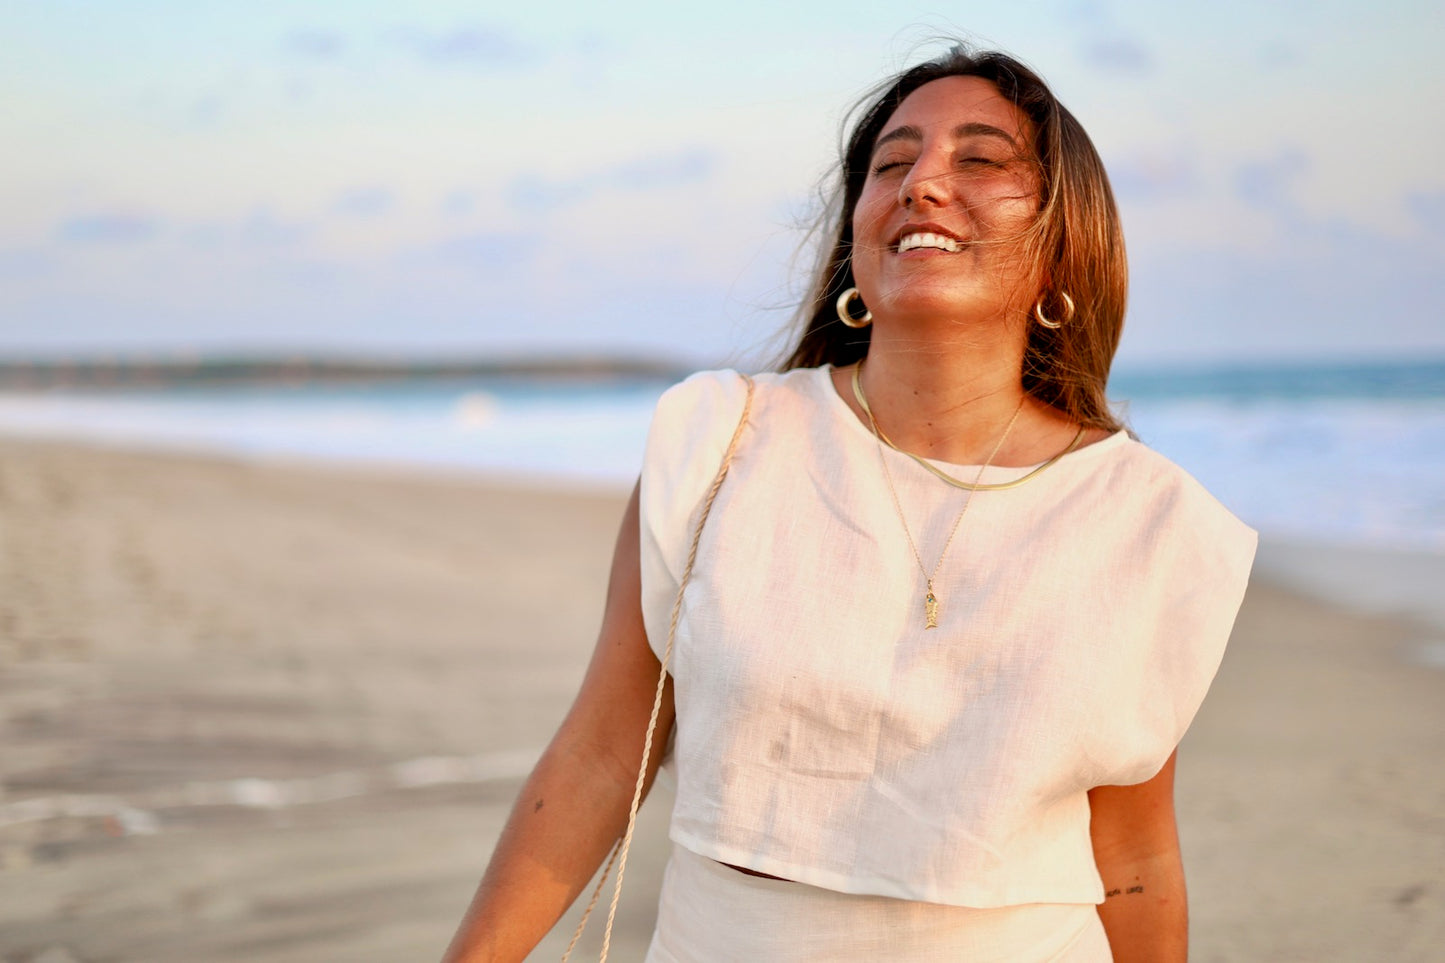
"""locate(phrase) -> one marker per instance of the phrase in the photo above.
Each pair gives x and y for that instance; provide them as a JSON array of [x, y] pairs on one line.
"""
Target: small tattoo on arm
[[1122, 892], [538, 807]]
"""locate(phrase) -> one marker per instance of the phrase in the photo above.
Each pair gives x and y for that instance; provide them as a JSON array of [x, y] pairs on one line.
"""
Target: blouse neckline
[[823, 382]]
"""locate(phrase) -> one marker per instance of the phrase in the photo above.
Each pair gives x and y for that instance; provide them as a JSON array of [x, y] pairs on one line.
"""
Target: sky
[[452, 179]]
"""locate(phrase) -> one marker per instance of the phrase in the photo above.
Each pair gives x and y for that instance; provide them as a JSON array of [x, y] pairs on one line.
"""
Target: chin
[[917, 304]]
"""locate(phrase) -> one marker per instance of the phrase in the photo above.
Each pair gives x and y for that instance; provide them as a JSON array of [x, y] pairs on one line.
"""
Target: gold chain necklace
[[955, 482], [930, 599]]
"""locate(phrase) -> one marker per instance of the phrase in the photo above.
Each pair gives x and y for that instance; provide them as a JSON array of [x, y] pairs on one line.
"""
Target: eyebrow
[[974, 129]]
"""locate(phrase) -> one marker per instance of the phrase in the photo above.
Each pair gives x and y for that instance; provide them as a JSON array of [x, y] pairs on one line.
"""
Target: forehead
[[950, 102]]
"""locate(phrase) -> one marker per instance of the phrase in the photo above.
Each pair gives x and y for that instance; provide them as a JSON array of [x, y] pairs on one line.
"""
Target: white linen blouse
[[824, 736]]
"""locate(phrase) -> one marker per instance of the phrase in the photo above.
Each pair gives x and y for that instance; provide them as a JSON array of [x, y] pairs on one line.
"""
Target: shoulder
[[714, 398], [718, 384], [691, 426], [1146, 474], [701, 386], [1173, 508]]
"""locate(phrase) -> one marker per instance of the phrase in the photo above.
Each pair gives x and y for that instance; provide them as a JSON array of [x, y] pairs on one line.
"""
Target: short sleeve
[[1181, 604], [690, 431]]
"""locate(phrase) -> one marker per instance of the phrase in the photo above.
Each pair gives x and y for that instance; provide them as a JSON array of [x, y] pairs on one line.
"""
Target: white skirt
[[709, 913]]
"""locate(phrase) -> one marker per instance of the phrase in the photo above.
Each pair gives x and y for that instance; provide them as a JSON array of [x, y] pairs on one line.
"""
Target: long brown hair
[[1077, 237]]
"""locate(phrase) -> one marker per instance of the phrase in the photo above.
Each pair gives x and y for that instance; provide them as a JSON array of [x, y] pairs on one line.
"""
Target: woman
[[923, 711]]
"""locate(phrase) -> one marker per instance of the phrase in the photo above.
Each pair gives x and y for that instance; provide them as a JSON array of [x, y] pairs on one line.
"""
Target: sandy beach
[[275, 712]]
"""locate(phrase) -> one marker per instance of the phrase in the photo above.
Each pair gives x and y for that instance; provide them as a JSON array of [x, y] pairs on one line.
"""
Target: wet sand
[[267, 712]]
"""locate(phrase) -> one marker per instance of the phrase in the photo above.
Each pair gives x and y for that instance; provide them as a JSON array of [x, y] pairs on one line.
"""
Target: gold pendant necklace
[[930, 598]]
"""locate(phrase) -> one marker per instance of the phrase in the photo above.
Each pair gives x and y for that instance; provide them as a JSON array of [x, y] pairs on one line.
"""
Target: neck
[[948, 401]]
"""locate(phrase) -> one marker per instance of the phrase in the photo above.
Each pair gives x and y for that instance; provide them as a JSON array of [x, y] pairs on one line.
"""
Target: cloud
[[108, 228], [488, 250], [206, 111], [1429, 209], [471, 45], [1107, 46], [307, 273], [1087, 12], [258, 229], [650, 173], [314, 44], [263, 229], [1150, 177], [1276, 55], [1119, 55], [1265, 185], [1365, 294], [642, 174], [297, 89], [364, 202], [23, 263], [458, 203]]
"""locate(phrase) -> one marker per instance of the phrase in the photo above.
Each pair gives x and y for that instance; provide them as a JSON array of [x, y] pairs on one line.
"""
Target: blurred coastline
[[1336, 454], [88, 374], [274, 659]]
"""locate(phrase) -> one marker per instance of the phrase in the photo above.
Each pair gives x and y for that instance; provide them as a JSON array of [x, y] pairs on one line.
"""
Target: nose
[[928, 182]]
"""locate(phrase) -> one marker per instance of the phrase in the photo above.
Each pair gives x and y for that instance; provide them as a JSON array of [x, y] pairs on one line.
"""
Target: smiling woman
[[904, 726]]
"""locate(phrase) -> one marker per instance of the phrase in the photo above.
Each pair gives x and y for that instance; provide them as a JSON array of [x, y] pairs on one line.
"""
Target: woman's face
[[951, 190]]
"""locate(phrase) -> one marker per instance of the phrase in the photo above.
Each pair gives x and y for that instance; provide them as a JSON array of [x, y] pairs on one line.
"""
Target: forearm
[[567, 816], [1145, 911]]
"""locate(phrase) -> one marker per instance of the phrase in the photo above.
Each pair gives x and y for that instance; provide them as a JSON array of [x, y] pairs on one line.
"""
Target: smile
[[941, 242]]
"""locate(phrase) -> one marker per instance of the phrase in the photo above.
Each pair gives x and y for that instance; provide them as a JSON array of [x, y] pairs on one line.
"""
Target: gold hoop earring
[[1054, 325], [846, 316]]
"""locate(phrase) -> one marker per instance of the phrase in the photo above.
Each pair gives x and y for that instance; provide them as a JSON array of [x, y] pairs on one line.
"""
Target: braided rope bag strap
[[620, 850]]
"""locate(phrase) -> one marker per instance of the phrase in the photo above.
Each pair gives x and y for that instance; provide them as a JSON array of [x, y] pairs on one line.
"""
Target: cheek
[[1006, 223], [865, 269], [869, 224], [868, 219], [1014, 203]]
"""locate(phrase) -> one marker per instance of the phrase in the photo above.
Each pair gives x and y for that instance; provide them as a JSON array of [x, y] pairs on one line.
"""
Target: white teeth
[[926, 239]]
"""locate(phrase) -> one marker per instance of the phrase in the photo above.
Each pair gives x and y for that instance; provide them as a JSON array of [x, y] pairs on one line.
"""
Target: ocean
[[1349, 455]]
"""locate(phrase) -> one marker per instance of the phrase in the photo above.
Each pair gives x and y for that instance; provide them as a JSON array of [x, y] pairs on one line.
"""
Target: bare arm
[[1136, 847], [574, 805]]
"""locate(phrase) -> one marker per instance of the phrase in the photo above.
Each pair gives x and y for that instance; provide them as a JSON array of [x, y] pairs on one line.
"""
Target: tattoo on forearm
[[538, 807], [1124, 892]]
